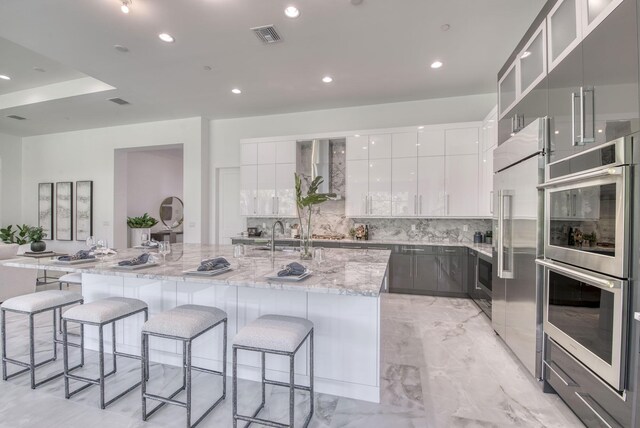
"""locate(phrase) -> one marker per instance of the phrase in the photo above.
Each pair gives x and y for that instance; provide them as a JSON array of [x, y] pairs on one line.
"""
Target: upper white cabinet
[[405, 186], [431, 187], [267, 185], [357, 187], [380, 146], [358, 147], [461, 185], [380, 187], [488, 143], [463, 141], [431, 142], [404, 144]]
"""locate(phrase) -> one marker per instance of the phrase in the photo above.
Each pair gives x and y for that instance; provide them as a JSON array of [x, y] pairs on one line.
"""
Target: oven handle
[[594, 280], [594, 174]]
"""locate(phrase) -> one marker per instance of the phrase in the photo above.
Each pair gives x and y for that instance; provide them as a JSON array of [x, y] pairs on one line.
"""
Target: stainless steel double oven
[[586, 265]]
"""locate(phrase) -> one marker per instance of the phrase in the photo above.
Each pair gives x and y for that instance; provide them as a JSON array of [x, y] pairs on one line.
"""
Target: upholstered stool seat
[[280, 335], [184, 323], [104, 310], [74, 278], [100, 313], [275, 333], [41, 301], [33, 304]]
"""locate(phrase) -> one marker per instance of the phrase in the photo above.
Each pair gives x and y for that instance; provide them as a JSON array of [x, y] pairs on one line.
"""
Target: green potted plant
[[36, 234], [10, 236], [304, 206], [140, 228]]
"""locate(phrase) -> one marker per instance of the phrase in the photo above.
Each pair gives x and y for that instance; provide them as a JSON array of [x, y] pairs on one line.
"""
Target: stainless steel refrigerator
[[518, 240]]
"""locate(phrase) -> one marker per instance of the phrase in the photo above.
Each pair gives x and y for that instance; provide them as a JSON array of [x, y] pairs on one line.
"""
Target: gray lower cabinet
[[429, 270]]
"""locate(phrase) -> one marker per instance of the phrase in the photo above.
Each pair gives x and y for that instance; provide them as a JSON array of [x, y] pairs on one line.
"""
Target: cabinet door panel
[[431, 189], [266, 189], [285, 190], [431, 142], [404, 179], [461, 185], [248, 188], [463, 141], [486, 183], [426, 273], [401, 272], [380, 187], [266, 153], [380, 146], [404, 144], [594, 13], [357, 188], [533, 61], [358, 147], [563, 30], [248, 154], [286, 152], [507, 90], [615, 89], [451, 273]]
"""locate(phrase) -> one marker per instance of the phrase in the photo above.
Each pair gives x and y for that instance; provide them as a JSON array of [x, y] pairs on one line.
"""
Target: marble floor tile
[[441, 366]]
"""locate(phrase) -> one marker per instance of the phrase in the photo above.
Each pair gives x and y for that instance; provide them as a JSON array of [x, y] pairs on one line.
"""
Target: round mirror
[[171, 212]]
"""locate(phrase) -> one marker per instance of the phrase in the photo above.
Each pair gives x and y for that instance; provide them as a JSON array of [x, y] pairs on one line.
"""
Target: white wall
[[89, 155], [225, 134], [153, 175], [10, 179]]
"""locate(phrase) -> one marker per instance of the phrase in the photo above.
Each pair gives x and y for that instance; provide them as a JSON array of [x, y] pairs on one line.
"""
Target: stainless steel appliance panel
[[586, 313]]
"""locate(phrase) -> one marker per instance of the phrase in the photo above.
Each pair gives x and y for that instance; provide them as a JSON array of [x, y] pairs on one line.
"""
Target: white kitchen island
[[341, 298]]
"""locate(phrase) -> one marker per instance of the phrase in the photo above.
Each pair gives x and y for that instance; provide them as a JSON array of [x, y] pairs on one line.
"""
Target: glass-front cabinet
[[595, 11], [563, 30], [533, 61], [507, 90]]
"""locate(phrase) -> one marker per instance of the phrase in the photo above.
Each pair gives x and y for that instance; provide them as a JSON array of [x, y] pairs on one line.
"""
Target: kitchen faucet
[[273, 236]]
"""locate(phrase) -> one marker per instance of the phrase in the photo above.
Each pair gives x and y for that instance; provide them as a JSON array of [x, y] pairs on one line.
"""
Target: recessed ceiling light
[[236, 91], [327, 79], [4, 77], [436, 64], [525, 54], [599, 131], [556, 132], [292, 12], [420, 127], [121, 48], [165, 37], [445, 27], [124, 8]]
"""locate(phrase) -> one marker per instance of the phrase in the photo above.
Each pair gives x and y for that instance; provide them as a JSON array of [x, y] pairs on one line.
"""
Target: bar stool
[[31, 305], [74, 278], [100, 313], [280, 335], [184, 323]]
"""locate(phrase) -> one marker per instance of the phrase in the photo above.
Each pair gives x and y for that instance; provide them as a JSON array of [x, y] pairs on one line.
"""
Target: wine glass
[[91, 242], [102, 249], [164, 249], [239, 251]]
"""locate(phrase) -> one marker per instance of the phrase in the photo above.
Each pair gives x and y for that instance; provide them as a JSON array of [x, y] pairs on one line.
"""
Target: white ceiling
[[377, 52]]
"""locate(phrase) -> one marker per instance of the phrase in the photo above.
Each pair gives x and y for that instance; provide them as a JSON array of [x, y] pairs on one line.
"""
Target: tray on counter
[[75, 262], [134, 267], [273, 276], [207, 272]]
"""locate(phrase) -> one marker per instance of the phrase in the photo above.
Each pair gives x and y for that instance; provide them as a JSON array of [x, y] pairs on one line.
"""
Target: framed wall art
[[84, 210], [64, 211], [45, 209]]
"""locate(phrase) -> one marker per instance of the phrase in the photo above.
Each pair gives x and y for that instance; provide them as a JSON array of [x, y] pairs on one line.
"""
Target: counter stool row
[[269, 334]]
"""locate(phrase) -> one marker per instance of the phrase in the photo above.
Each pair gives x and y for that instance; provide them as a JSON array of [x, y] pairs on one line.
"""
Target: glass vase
[[305, 242]]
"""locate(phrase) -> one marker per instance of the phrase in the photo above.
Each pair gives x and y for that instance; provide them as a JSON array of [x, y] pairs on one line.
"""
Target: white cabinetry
[[488, 143], [431, 186], [357, 187], [461, 184], [266, 179], [368, 186]]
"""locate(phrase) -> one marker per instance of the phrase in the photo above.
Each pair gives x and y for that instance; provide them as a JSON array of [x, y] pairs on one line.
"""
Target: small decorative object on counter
[[366, 232], [352, 233], [36, 234], [295, 231], [360, 232], [477, 238], [488, 237], [253, 232]]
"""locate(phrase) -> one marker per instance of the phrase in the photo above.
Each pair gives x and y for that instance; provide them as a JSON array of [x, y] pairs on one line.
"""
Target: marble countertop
[[343, 271], [485, 249]]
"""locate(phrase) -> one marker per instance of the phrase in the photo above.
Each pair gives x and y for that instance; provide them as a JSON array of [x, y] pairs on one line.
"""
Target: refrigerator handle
[[503, 196], [574, 140]]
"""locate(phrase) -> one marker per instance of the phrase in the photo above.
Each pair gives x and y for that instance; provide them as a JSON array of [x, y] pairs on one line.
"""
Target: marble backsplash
[[329, 219]]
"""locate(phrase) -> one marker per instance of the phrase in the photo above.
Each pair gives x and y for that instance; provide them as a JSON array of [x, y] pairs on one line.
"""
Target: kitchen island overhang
[[341, 298]]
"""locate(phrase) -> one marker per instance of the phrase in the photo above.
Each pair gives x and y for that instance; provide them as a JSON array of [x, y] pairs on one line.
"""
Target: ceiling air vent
[[119, 101], [267, 34], [16, 117]]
